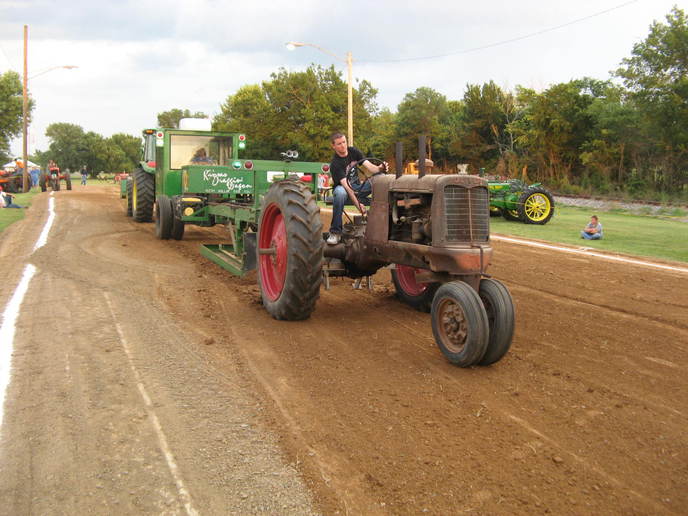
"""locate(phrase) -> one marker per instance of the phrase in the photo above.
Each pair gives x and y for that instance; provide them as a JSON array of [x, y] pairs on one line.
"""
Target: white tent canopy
[[12, 165]]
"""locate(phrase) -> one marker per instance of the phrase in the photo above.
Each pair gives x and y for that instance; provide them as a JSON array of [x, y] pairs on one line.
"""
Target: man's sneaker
[[334, 238]]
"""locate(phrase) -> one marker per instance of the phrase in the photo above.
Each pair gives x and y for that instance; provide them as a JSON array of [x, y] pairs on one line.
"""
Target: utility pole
[[25, 111]]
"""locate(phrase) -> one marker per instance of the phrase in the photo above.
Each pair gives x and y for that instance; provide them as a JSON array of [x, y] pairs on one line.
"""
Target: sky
[[138, 58]]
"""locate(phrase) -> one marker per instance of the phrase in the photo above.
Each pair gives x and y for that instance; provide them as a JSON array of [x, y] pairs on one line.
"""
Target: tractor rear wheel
[[536, 206], [42, 183], [290, 251], [459, 323], [129, 200], [143, 196], [415, 294], [500, 316], [163, 217], [68, 182]]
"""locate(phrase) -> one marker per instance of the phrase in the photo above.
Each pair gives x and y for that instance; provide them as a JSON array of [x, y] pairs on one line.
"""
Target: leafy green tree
[[68, 146], [554, 125], [299, 111], [172, 117], [657, 77], [11, 106], [483, 134], [131, 149], [425, 111]]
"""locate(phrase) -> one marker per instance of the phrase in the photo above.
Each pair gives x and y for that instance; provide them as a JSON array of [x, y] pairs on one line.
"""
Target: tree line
[[627, 133]]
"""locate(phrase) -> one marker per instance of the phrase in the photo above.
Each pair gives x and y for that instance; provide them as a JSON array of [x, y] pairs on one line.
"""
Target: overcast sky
[[138, 58]]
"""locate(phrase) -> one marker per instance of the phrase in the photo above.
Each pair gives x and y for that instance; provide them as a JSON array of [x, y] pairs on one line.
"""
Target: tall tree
[[67, 147], [657, 77], [299, 111], [11, 106], [425, 111], [172, 117]]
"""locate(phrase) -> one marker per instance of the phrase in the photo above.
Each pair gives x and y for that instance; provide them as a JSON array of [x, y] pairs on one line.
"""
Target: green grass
[[10, 215], [624, 233]]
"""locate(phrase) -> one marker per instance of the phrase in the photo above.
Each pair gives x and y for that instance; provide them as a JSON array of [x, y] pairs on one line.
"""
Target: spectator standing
[[84, 175]]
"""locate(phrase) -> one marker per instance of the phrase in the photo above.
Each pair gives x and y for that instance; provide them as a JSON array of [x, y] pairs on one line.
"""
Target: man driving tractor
[[354, 190]]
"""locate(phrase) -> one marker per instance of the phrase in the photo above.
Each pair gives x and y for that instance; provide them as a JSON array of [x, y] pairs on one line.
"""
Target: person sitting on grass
[[6, 200], [593, 231]]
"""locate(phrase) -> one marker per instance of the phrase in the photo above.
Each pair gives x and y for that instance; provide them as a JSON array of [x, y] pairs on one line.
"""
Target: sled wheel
[[163, 217]]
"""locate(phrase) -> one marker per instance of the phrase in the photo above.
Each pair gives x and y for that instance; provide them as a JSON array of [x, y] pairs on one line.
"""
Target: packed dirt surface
[[146, 380]]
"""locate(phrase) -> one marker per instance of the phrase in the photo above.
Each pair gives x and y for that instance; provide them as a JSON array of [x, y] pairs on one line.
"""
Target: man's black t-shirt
[[338, 165]]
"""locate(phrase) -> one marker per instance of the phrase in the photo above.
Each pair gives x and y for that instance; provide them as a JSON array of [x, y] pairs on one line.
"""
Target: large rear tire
[[415, 294], [499, 307], [290, 251], [536, 206], [459, 323], [163, 217], [129, 199], [143, 196]]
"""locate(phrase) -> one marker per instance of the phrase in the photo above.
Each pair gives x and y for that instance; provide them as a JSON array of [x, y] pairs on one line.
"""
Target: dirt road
[[148, 381]]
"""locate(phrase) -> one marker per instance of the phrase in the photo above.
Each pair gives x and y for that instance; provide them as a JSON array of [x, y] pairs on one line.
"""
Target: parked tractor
[[432, 229], [515, 200], [11, 181], [52, 178]]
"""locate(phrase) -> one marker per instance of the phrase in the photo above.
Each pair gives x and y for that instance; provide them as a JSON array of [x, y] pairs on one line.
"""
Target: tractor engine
[[439, 223]]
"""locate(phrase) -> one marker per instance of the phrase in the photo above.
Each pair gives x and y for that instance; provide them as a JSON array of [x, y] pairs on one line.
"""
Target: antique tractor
[[52, 178], [11, 181], [515, 200], [434, 230]]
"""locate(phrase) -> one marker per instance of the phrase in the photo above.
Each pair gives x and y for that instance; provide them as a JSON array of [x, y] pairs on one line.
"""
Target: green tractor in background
[[515, 200]]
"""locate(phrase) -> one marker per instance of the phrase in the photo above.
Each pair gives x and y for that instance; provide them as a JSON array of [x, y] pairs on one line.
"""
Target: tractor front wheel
[[143, 196], [164, 217], [536, 206], [512, 215], [499, 307], [459, 323], [290, 251], [410, 291], [177, 231]]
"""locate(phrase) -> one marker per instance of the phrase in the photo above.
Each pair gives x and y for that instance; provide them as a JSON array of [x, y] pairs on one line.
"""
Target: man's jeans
[[591, 236], [340, 198]]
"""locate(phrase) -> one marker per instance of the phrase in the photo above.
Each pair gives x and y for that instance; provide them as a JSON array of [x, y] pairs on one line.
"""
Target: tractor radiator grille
[[468, 214]]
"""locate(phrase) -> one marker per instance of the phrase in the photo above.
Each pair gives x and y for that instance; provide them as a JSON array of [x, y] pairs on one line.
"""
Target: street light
[[25, 109], [350, 105]]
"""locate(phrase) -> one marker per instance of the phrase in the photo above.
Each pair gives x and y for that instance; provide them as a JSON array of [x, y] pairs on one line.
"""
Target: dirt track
[[354, 411]]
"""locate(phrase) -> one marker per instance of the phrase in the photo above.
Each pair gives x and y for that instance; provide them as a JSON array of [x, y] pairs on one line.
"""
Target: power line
[[505, 42]]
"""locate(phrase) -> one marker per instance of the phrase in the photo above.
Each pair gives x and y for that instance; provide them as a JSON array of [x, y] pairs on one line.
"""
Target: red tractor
[[52, 178]]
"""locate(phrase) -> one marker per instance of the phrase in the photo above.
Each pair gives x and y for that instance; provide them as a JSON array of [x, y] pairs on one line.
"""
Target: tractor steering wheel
[[352, 171]]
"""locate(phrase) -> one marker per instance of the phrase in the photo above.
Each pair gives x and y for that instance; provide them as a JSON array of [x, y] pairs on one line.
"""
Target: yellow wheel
[[536, 206]]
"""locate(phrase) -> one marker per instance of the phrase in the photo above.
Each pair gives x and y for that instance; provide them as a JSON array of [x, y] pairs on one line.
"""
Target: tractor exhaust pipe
[[421, 155], [399, 149]]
